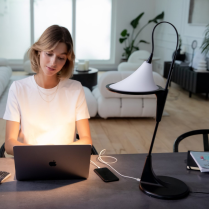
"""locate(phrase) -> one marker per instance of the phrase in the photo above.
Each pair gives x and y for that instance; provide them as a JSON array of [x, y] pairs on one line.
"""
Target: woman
[[45, 108]]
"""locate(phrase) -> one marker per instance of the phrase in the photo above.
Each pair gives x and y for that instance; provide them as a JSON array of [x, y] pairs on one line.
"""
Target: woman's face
[[51, 62]]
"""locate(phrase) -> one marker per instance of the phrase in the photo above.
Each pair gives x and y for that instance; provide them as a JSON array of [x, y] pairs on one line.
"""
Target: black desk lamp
[[141, 82]]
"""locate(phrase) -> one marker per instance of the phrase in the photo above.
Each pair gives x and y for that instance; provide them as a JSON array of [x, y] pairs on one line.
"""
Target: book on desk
[[198, 161]]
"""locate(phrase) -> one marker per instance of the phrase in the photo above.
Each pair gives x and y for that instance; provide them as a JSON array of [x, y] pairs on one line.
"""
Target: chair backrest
[[93, 149], [2, 151], [204, 132], [139, 56]]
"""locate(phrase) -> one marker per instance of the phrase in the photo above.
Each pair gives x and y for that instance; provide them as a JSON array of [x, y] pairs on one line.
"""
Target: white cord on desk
[[106, 163]]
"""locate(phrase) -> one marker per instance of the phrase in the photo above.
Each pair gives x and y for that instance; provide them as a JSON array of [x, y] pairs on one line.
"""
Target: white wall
[[126, 11], [176, 12]]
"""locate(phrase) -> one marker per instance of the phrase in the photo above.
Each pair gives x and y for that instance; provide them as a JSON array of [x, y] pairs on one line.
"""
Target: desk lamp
[[141, 82]]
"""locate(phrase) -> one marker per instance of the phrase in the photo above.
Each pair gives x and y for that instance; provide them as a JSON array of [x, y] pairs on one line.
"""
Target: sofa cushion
[[3, 62], [91, 102], [27, 67], [126, 107], [5, 74], [116, 76], [126, 66]]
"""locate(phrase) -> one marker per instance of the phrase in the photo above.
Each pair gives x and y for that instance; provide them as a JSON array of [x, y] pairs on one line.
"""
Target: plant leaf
[[124, 33], [205, 46], [143, 41], [136, 47], [135, 22], [158, 17], [121, 40], [127, 51], [205, 43]]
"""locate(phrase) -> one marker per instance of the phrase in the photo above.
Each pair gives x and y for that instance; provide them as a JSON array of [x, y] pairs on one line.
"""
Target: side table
[[87, 78]]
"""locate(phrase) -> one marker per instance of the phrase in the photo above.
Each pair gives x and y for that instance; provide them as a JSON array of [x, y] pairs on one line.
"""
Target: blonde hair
[[48, 41]]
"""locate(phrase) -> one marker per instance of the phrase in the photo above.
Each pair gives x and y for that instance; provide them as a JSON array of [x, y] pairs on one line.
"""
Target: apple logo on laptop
[[53, 163]]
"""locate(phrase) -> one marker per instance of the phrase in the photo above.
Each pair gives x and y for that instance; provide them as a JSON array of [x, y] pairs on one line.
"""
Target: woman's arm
[[12, 131], [84, 132]]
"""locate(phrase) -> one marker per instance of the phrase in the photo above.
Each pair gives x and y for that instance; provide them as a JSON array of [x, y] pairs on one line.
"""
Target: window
[[93, 29], [89, 21], [51, 12], [15, 28]]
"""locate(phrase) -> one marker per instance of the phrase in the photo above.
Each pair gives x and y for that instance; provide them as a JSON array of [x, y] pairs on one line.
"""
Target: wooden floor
[[133, 135]]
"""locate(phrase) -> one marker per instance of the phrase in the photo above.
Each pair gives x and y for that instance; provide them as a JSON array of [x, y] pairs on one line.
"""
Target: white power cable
[[106, 163], [95, 164]]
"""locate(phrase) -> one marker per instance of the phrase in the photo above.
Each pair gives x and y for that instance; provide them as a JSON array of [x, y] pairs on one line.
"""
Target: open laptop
[[39, 162]]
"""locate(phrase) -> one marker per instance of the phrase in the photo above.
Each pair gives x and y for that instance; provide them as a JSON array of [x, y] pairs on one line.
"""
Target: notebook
[[40, 162], [201, 159], [191, 164]]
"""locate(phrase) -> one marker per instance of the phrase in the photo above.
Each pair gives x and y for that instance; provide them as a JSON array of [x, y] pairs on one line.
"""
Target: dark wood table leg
[[190, 94]]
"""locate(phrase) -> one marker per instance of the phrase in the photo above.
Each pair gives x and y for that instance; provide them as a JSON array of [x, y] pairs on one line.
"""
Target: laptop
[[41, 162]]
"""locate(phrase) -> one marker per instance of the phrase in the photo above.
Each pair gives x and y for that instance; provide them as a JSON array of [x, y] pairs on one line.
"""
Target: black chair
[[204, 132], [2, 150], [93, 149]]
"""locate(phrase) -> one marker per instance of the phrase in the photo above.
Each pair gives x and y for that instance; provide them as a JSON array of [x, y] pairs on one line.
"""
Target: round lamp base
[[173, 189]]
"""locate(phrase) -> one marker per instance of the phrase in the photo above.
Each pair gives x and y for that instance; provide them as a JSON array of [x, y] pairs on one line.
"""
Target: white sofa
[[26, 64], [5, 74], [135, 60], [120, 105], [91, 102]]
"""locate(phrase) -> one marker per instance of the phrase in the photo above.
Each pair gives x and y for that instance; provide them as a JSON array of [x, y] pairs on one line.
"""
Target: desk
[[94, 193]]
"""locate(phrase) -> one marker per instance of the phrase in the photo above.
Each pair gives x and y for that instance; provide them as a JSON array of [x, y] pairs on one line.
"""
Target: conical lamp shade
[[140, 80]]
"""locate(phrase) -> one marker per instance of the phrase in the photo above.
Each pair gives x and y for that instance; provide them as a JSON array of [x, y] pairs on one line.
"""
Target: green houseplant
[[205, 43], [131, 42]]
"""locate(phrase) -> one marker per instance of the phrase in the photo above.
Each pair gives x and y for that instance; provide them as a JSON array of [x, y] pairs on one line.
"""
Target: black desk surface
[[94, 193]]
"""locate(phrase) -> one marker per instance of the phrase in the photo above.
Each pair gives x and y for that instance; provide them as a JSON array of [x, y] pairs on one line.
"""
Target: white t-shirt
[[46, 122]]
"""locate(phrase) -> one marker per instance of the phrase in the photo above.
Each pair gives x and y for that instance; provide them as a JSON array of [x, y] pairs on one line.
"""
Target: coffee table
[[87, 78]]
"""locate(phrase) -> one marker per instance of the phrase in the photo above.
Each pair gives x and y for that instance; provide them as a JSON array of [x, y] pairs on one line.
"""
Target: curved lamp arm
[[174, 57]]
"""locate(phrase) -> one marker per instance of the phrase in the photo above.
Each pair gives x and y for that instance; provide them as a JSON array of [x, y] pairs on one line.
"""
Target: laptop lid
[[38, 162]]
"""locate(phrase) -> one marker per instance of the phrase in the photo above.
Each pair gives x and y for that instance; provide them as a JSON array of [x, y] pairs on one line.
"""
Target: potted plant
[[130, 41], [205, 43]]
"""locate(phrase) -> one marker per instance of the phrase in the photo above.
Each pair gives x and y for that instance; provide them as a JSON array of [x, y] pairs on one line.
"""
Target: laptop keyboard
[[4, 175]]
